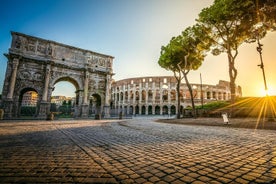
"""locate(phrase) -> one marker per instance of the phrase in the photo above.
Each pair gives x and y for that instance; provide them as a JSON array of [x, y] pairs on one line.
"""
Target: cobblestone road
[[134, 151]]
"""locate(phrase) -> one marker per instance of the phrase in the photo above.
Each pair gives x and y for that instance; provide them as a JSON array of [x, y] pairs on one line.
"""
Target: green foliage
[[267, 13], [214, 105], [28, 111], [184, 53], [231, 22], [53, 107], [65, 109]]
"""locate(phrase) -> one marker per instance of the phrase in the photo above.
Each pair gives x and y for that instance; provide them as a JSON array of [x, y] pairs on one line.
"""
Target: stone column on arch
[[153, 93], [46, 83], [107, 96], [44, 108], [9, 101], [128, 99], [84, 106], [15, 63], [85, 94], [78, 103]]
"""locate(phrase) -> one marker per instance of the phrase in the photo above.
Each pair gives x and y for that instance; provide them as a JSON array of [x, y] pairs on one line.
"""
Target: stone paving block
[[198, 182], [187, 179], [168, 178], [134, 151], [154, 179]]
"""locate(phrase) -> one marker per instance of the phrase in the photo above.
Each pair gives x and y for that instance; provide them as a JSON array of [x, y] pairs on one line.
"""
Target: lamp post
[[259, 49], [258, 28], [201, 92]]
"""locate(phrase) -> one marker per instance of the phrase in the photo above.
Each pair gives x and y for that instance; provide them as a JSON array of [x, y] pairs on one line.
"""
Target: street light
[[201, 92], [258, 28], [259, 49]]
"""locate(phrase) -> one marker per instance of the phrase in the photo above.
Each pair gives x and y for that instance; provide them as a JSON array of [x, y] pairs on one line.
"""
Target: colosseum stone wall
[[157, 95]]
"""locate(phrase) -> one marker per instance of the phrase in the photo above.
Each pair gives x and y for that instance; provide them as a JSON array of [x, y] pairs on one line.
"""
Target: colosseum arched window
[[143, 110], [208, 95], [121, 96], [157, 110], [219, 96], [150, 96], [137, 98], [144, 96], [136, 109], [165, 109], [214, 95], [165, 95], [131, 96], [173, 110], [173, 95], [126, 96], [131, 109]]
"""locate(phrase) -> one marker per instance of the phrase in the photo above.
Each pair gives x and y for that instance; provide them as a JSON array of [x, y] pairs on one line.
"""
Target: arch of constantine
[[158, 95], [36, 64]]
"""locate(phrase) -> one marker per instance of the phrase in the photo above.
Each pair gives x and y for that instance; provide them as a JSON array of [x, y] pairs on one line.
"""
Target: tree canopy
[[234, 22], [231, 22], [266, 13], [184, 53]]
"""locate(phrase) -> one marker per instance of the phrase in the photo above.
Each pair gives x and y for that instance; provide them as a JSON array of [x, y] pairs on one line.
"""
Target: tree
[[195, 43], [184, 53], [168, 59], [230, 22], [64, 102]]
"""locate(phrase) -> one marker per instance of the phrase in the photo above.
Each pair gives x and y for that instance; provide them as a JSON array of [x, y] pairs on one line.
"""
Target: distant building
[[158, 95], [29, 99], [58, 100]]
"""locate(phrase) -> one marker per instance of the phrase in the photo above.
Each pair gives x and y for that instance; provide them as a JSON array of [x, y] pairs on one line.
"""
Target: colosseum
[[157, 95]]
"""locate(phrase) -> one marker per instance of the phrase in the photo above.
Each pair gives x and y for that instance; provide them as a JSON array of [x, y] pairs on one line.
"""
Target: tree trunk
[[178, 79], [178, 98], [232, 74], [191, 93]]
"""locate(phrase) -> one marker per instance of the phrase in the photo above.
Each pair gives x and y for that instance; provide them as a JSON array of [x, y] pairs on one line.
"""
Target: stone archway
[[27, 102], [75, 109], [38, 64]]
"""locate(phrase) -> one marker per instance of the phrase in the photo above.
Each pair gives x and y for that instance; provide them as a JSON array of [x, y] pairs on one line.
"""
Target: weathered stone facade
[[36, 64], [158, 95]]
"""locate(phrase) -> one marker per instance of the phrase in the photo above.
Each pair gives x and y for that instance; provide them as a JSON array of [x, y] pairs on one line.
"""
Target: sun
[[268, 92], [264, 92]]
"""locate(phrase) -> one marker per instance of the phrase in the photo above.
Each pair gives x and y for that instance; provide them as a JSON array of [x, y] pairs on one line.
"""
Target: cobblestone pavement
[[134, 151]]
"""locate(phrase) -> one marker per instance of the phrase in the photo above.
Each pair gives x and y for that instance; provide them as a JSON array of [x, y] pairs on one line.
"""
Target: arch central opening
[[64, 99]]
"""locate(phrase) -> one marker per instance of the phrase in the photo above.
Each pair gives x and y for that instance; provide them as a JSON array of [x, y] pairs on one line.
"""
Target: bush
[[28, 111]]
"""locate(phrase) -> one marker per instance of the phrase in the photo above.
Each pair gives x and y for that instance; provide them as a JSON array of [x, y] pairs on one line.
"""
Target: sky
[[132, 31]]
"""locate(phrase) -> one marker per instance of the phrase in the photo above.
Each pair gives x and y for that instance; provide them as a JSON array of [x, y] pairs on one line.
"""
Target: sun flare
[[268, 92]]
